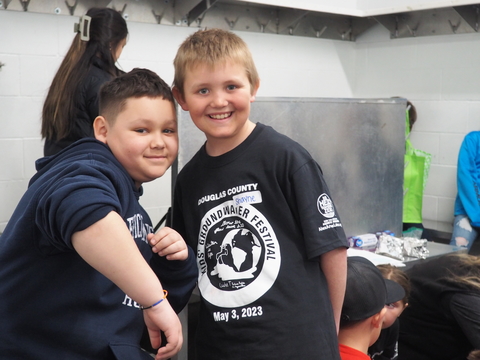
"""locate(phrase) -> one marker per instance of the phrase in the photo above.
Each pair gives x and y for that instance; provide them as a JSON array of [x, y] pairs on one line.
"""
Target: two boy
[[253, 204], [270, 248], [78, 258]]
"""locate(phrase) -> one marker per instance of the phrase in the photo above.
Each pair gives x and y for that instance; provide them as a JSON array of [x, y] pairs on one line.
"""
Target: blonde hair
[[466, 271], [474, 355], [212, 47]]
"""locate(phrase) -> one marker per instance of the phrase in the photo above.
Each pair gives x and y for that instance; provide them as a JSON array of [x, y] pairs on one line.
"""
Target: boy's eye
[[203, 91], [231, 87], [395, 305], [169, 131], [141, 131]]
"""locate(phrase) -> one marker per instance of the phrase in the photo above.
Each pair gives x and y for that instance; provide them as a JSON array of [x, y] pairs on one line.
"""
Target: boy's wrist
[[165, 293]]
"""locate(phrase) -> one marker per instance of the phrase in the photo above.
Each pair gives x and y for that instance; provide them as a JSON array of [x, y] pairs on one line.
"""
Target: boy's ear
[[179, 97], [377, 319], [100, 128], [254, 91], [404, 307]]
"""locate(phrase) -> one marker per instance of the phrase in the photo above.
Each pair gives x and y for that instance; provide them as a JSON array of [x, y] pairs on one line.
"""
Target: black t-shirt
[[258, 218]]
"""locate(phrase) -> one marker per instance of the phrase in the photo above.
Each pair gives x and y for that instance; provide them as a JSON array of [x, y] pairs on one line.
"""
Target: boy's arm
[[334, 266], [108, 247], [175, 264]]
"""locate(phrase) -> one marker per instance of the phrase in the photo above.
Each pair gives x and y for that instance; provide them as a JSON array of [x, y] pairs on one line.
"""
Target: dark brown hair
[[134, 84], [412, 114], [399, 276], [107, 29]]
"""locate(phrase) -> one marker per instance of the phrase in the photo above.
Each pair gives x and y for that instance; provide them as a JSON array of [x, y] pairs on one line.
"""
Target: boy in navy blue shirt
[[79, 260]]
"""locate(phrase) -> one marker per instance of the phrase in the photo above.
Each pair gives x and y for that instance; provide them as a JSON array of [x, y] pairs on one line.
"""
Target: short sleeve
[[321, 225]]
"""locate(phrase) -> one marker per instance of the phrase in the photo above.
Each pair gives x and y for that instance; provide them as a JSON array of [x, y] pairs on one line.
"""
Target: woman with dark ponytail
[[72, 100]]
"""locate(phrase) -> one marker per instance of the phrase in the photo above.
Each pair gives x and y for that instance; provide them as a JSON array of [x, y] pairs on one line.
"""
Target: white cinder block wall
[[439, 74], [32, 46]]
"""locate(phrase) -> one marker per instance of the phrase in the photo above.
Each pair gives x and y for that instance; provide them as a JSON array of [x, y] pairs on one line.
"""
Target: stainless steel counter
[[435, 249]]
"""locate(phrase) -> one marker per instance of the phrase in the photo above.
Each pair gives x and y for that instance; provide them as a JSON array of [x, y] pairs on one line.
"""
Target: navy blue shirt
[[53, 304]]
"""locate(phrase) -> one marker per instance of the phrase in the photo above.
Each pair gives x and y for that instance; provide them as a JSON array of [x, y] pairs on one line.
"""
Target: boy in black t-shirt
[[253, 203]]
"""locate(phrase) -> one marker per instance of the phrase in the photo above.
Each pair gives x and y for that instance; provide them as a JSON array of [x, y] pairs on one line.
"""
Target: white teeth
[[220, 116]]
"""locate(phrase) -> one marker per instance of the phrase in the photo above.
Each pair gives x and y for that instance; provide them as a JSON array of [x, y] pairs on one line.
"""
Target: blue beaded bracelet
[[165, 293]]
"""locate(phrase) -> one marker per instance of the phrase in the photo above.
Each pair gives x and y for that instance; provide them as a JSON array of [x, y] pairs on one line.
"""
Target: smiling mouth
[[156, 157], [220, 116]]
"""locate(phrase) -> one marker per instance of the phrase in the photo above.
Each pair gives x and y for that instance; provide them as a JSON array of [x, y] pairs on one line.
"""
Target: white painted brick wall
[[439, 74], [34, 44]]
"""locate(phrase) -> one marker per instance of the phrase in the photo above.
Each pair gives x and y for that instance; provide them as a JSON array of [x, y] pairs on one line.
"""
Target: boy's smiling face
[[218, 99], [143, 138]]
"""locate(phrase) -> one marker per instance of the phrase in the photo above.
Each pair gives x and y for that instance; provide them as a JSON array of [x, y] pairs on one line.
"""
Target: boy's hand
[[167, 242], [162, 318]]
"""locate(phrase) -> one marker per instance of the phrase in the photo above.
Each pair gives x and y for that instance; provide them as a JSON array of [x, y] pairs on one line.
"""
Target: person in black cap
[[386, 347], [363, 311]]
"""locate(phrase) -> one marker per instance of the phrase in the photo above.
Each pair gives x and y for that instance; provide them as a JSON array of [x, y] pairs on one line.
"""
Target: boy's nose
[[157, 141], [219, 100]]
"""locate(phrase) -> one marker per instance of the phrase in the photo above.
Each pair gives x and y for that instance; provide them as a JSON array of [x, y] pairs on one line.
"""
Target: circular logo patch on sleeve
[[325, 206]]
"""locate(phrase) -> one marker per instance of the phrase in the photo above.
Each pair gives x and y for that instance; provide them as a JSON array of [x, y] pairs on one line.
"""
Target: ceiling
[[342, 20]]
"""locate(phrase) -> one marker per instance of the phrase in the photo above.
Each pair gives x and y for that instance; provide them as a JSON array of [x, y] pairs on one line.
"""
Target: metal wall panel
[[359, 143]]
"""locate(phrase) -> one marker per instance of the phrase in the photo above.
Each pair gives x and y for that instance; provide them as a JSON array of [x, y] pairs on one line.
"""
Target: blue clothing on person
[[55, 305], [467, 202]]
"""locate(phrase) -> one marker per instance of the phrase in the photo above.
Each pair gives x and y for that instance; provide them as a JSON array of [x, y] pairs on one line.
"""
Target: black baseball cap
[[367, 291]]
